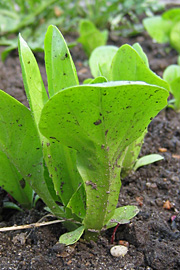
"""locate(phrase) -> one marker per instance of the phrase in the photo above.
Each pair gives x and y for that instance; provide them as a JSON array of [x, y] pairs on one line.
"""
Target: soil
[[153, 235]]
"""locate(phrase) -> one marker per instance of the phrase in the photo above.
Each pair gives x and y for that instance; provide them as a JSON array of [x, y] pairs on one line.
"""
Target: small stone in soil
[[123, 243], [162, 150], [167, 205], [151, 185], [58, 247], [19, 238], [140, 200], [176, 156], [118, 251], [62, 250]]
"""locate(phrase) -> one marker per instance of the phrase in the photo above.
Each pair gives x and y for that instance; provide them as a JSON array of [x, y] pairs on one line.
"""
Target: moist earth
[[153, 236]]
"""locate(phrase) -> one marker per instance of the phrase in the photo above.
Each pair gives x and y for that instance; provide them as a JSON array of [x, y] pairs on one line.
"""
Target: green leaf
[[99, 79], [100, 60], [146, 160], [19, 138], [91, 37], [11, 205], [71, 237], [158, 28], [33, 83], [88, 81], [61, 162], [171, 73], [6, 51], [50, 184], [175, 89], [35, 90], [172, 76], [14, 183], [129, 157], [141, 53], [171, 14], [37, 96], [178, 60], [122, 215], [77, 202], [36, 199], [127, 65], [130, 64], [61, 72], [7, 21], [99, 121]]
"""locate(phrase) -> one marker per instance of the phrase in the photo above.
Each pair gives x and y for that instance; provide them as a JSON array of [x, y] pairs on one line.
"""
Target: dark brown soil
[[153, 236]]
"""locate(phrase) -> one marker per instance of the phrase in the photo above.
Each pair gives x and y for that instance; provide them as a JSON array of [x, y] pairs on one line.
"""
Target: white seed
[[118, 251]]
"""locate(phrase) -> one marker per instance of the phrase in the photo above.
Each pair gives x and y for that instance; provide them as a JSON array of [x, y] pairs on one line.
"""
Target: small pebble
[[19, 238], [140, 200], [176, 156], [58, 247], [63, 250], [151, 185], [118, 251], [123, 243], [167, 205], [162, 150]]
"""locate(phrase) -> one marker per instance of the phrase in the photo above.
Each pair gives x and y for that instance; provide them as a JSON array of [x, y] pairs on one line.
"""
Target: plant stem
[[114, 232], [91, 235]]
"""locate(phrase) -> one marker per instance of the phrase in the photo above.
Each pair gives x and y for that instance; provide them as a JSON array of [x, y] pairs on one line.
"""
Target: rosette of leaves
[[69, 145]]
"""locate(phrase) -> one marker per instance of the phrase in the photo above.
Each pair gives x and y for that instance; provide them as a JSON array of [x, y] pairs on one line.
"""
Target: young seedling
[[100, 60], [172, 76], [70, 145], [165, 28], [90, 36]]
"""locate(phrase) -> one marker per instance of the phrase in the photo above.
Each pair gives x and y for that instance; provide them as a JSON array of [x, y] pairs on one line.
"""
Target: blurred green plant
[[172, 76], [32, 18], [120, 15], [127, 21], [90, 36], [165, 28]]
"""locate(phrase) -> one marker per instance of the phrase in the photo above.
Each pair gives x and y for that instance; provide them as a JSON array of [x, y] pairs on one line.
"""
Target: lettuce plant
[[165, 28], [90, 37], [100, 60], [122, 64], [69, 146], [172, 76]]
